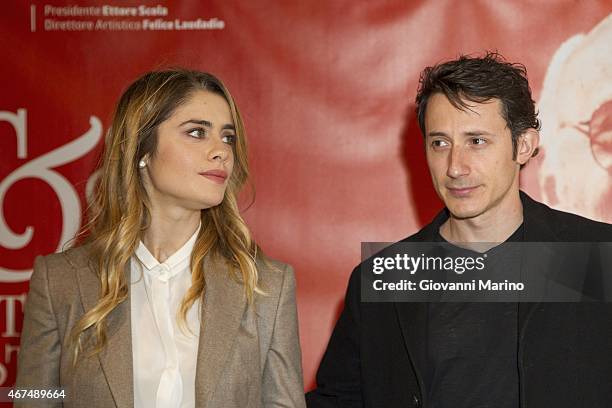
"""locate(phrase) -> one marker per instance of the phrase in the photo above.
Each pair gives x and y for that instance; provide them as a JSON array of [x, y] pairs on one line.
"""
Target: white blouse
[[164, 355]]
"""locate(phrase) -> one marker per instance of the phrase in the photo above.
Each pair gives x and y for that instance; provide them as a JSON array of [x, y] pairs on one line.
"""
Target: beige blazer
[[248, 355]]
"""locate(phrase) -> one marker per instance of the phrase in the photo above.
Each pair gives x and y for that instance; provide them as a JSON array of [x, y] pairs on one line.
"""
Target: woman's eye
[[229, 139], [197, 133]]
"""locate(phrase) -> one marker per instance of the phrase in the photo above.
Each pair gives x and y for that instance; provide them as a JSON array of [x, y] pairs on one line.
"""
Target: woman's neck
[[168, 232]]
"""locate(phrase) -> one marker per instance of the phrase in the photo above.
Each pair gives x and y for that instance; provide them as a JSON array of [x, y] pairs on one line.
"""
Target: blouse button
[[164, 274]]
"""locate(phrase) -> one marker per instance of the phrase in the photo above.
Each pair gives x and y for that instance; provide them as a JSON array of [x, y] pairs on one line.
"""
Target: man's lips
[[461, 191], [218, 176]]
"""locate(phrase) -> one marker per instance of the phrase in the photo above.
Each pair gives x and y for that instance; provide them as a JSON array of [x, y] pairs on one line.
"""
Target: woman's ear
[[527, 146]]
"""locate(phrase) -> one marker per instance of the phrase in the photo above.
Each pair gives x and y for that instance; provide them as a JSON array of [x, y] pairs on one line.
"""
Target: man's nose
[[457, 163]]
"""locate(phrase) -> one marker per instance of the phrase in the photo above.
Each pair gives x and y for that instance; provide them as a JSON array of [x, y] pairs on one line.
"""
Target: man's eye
[[229, 139], [197, 133], [439, 143], [479, 141]]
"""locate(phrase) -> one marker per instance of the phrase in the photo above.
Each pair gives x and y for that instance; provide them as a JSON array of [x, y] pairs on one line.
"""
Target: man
[[480, 127]]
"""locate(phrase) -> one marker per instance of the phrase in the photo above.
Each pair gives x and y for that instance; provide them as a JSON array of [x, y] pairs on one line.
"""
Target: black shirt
[[472, 351]]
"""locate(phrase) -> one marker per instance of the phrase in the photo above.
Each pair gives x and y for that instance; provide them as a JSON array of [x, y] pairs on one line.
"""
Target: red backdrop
[[327, 92]]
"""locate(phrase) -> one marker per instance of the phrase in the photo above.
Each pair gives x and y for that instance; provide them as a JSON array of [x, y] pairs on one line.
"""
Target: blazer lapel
[[222, 311], [412, 319], [116, 357], [537, 229], [413, 316]]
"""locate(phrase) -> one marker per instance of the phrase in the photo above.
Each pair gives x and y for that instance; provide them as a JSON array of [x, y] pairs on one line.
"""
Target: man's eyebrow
[[207, 124], [470, 133], [478, 132]]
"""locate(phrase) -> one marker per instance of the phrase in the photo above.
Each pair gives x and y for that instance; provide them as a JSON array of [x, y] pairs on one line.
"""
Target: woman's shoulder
[[69, 259], [274, 274], [57, 275]]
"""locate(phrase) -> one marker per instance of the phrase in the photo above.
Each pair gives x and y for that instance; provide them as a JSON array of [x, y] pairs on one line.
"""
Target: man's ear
[[527, 146]]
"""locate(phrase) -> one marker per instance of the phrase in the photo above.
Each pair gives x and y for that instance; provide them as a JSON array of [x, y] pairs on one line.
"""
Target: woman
[[169, 303]]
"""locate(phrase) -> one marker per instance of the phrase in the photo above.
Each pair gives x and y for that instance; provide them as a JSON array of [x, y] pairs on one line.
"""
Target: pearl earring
[[142, 164]]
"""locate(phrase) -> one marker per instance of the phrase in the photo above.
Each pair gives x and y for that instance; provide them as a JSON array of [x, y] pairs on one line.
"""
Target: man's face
[[469, 153]]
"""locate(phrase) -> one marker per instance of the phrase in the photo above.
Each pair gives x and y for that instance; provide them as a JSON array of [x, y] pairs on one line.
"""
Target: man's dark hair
[[480, 79]]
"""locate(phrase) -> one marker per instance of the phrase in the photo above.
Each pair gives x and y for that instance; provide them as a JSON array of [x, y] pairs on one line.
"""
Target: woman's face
[[194, 158]]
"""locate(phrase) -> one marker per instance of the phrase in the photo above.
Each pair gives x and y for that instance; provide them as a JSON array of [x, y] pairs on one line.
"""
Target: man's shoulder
[[564, 225], [575, 220], [542, 222]]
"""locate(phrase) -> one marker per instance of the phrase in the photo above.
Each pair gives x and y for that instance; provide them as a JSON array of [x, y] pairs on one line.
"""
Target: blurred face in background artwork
[[576, 112]]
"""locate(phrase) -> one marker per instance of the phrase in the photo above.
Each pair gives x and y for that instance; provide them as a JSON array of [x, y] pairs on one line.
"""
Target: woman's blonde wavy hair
[[120, 210]]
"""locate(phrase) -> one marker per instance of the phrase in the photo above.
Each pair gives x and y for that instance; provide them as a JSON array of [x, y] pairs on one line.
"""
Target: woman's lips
[[217, 176]]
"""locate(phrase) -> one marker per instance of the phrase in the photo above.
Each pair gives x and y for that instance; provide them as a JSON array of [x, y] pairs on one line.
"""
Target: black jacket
[[376, 354]]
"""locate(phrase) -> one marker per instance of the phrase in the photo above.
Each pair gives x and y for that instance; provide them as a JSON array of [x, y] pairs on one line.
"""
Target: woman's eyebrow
[[207, 124], [202, 122]]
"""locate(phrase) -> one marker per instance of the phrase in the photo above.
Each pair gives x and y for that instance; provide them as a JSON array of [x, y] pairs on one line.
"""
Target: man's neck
[[494, 226]]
